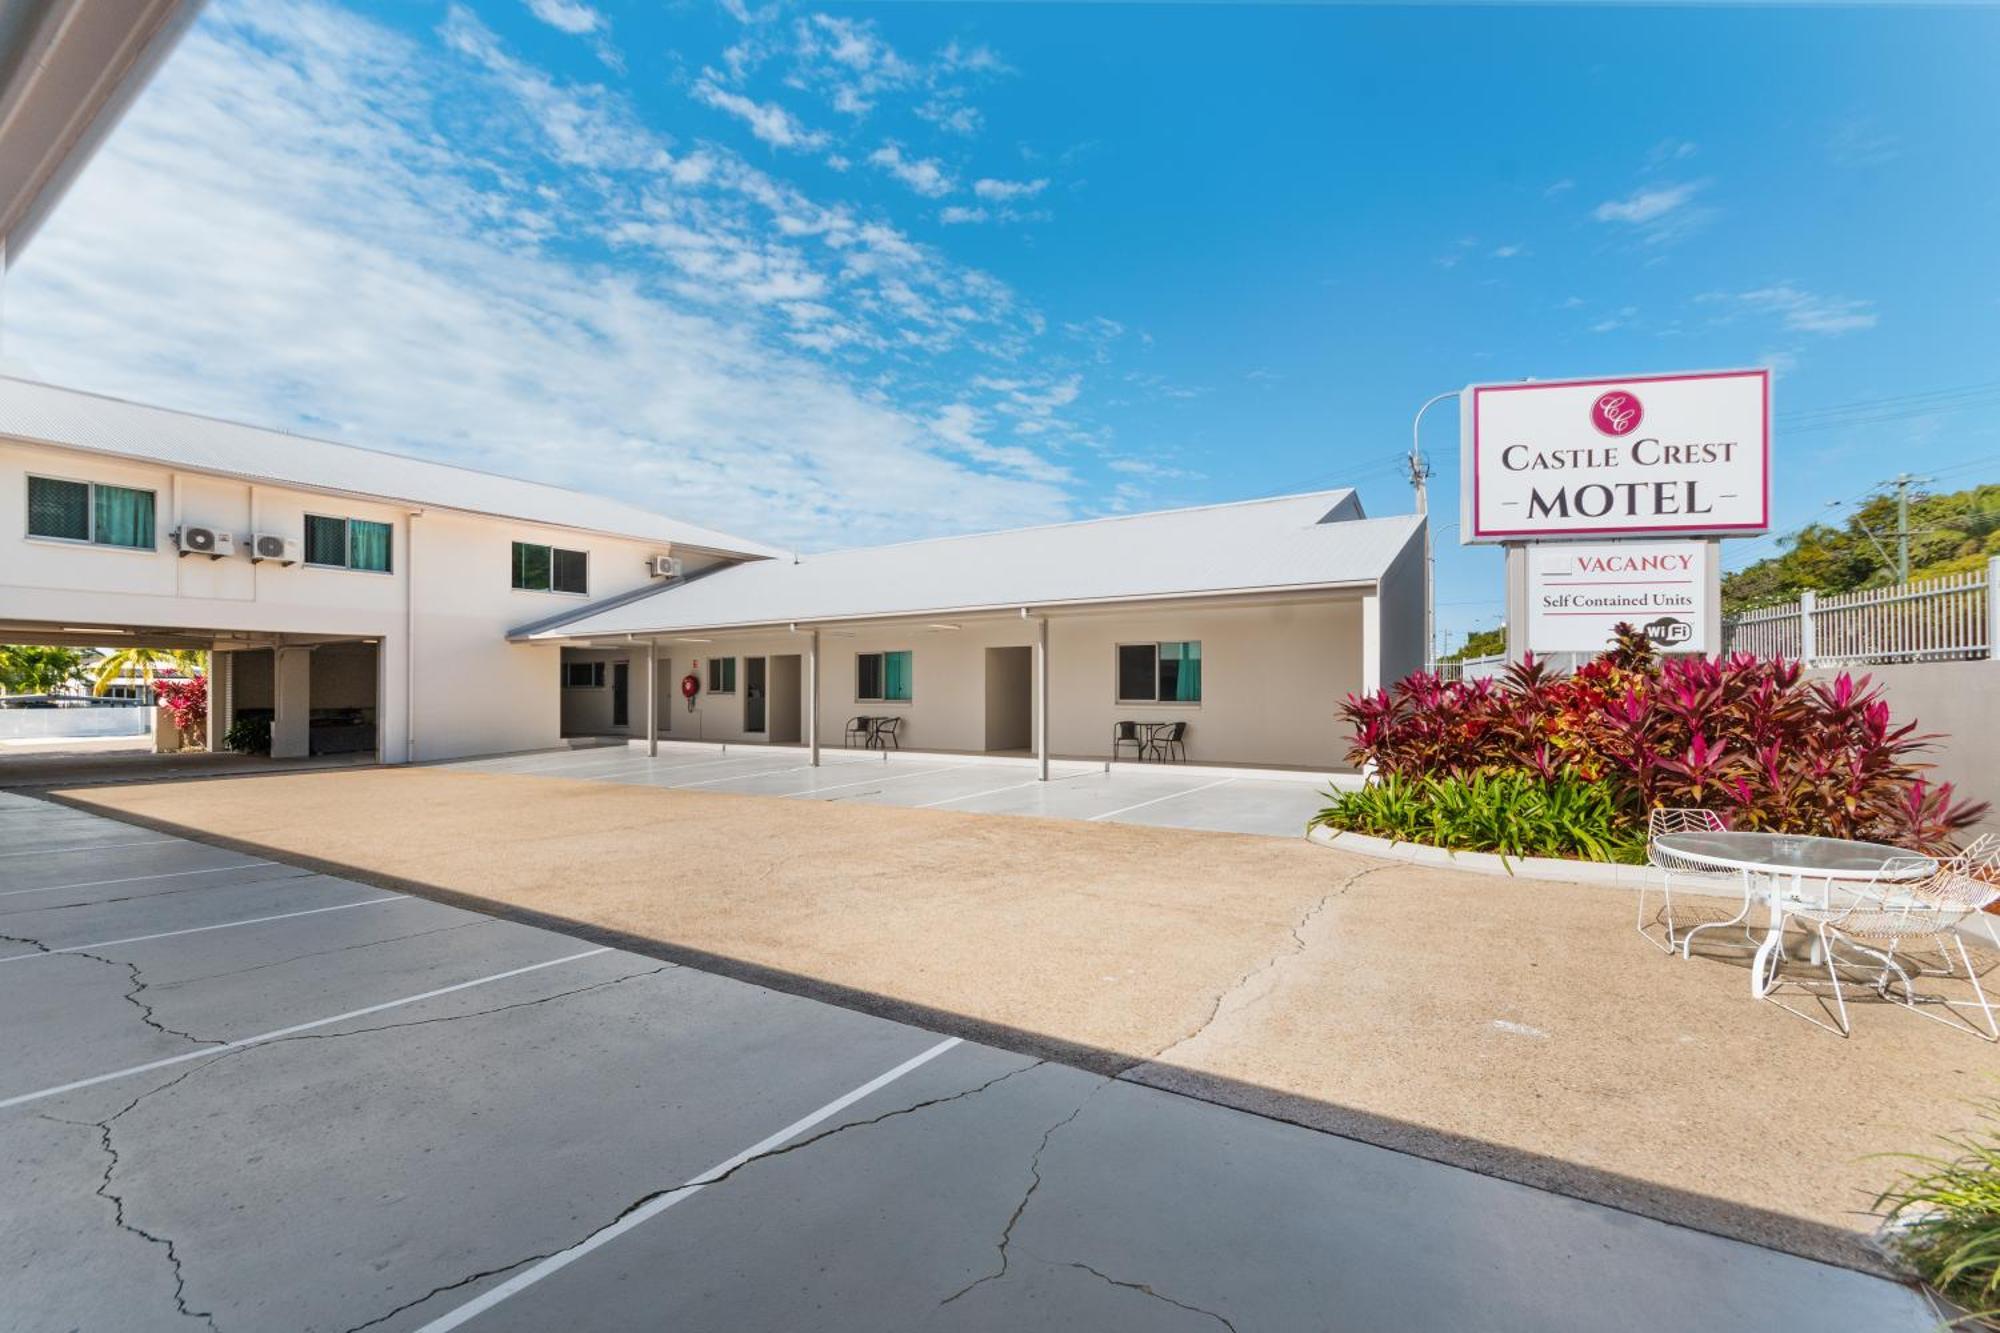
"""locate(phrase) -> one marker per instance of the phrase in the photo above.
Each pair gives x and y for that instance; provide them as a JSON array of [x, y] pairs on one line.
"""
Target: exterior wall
[[586, 710], [474, 692], [1960, 700], [1402, 615]]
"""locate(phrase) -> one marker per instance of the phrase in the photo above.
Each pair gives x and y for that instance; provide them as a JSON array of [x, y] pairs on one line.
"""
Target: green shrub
[[1511, 813], [1947, 1212], [249, 735]]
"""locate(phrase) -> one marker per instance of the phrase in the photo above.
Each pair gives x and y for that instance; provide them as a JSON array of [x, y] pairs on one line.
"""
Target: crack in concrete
[[1156, 1295], [322, 953], [1223, 996], [1034, 1184], [139, 986], [644, 1199]]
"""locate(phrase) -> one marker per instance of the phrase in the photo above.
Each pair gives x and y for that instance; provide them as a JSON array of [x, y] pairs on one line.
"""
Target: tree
[[1950, 532], [143, 662], [29, 669], [1480, 643]]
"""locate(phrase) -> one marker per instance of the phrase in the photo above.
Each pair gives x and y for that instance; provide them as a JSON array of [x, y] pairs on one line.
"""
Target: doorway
[[1010, 699], [621, 694], [786, 707], [754, 694]]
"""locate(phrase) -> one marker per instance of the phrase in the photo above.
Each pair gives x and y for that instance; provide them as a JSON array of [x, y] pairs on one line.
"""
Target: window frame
[[90, 515], [347, 523], [884, 697], [715, 662], [514, 566], [1118, 675], [596, 672]]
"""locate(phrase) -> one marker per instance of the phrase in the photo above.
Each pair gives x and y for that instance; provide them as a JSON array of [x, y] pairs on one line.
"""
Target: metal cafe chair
[[1127, 733], [1696, 876], [858, 728], [886, 734], [1169, 740]]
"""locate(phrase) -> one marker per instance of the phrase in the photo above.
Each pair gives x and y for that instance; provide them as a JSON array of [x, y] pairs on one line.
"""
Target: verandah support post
[[1041, 696], [812, 696], [652, 698]]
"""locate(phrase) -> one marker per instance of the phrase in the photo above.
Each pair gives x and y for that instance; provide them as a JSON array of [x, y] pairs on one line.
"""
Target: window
[[347, 543], [82, 511], [883, 677], [1166, 673], [583, 675], [550, 568], [722, 675]]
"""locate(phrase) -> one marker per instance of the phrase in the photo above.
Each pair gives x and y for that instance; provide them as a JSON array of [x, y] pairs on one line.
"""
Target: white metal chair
[[1886, 925], [1683, 820]]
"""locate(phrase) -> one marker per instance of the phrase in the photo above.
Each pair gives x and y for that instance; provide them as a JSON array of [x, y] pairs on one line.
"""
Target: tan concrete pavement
[[1517, 1028]]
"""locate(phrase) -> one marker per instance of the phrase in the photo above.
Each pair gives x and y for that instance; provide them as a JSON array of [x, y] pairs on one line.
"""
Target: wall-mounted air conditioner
[[664, 566], [272, 546], [204, 541]]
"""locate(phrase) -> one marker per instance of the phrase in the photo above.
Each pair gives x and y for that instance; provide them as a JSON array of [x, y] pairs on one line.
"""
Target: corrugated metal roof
[[45, 414], [1294, 541]]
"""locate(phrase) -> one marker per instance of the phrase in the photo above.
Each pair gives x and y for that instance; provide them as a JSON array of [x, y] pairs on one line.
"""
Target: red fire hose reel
[[690, 687]]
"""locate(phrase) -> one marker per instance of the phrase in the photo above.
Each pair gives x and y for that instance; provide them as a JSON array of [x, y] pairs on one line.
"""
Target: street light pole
[[1420, 471]]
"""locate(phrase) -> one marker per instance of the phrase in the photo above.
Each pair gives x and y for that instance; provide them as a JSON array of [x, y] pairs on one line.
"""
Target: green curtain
[[368, 545], [896, 675], [124, 517], [1187, 677]]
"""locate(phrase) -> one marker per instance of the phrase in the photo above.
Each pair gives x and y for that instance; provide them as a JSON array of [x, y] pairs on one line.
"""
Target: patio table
[[1787, 860]]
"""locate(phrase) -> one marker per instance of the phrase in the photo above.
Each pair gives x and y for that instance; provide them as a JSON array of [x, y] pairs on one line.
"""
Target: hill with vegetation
[[1950, 532]]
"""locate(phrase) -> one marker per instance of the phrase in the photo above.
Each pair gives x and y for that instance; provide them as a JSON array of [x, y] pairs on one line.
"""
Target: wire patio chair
[[1888, 925], [1127, 733], [858, 728], [1668, 820]]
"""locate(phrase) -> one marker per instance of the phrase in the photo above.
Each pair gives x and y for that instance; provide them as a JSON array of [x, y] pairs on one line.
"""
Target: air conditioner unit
[[271, 546], [664, 566], [205, 541]]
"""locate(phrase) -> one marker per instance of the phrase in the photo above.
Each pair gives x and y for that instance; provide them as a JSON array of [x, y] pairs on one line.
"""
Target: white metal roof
[[44, 414], [1291, 542]]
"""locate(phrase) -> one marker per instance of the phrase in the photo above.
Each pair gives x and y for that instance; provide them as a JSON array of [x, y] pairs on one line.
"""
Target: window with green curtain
[[1180, 672], [58, 509], [896, 675], [124, 517], [531, 566], [368, 545], [326, 540]]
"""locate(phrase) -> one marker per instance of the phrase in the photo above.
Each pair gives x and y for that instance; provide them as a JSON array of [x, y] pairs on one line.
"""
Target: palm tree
[[143, 661]]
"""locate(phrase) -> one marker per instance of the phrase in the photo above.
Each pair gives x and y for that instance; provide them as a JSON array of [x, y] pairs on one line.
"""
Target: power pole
[[1420, 471], [1902, 482]]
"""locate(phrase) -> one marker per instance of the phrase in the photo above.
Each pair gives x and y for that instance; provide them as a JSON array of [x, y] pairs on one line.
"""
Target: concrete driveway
[[1223, 800], [240, 1095]]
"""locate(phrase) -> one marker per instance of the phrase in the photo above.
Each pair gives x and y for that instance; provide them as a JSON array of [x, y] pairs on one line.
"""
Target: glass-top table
[[1784, 862]]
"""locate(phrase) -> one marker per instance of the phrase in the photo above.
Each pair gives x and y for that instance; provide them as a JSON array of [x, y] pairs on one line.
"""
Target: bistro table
[[1786, 861]]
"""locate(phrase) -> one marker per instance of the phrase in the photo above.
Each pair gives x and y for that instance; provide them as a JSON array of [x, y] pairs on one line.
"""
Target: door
[[621, 694], [753, 695]]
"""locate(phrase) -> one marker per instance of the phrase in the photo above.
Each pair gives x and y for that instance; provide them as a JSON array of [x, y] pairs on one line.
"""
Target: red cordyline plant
[[186, 702], [1745, 736]]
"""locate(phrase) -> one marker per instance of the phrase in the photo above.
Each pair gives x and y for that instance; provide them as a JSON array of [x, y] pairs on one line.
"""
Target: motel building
[[365, 601]]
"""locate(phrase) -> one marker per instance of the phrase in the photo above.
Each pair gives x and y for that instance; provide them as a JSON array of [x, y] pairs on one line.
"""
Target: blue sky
[[834, 274]]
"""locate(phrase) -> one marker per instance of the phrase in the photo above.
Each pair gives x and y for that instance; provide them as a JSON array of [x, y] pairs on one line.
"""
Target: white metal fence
[[1936, 620]]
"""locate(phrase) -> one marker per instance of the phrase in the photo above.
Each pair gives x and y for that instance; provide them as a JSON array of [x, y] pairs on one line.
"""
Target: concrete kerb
[[1597, 874]]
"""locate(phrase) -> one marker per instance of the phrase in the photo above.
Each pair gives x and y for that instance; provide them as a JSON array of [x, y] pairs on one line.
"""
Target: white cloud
[[570, 16], [1647, 205], [926, 175], [957, 215], [1509, 251], [767, 120], [311, 222], [1563, 186], [1803, 311], [1008, 191]]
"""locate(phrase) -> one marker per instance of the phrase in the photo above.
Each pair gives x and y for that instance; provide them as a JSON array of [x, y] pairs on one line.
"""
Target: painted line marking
[[134, 879], [994, 791], [91, 847], [241, 1042], [562, 1259], [196, 930], [867, 782], [1170, 796]]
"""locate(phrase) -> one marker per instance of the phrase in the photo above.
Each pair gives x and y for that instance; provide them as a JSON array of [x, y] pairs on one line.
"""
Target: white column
[[291, 700], [1042, 697], [1993, 609], [1808, 638], [812, 695], [1371, 642], [218, 701], [652, 697]]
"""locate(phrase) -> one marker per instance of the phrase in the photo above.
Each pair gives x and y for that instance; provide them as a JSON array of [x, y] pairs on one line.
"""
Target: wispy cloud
[[926, 175], [1658, 213], [1008, 191], [281, 231], [570, 16], [958, 215], [767, 120], [1862, 143], [1800, 310]]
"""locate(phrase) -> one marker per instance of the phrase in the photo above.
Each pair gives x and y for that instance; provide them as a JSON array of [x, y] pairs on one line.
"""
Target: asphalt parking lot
[[1161, 795], [240, 1095]]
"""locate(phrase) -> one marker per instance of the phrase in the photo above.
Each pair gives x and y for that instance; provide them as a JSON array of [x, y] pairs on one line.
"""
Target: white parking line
[[134, 879], [994, 791], [223, 1048], [562, 1259], [196, 930], [865, 782], [738, 777], [88, 847], [1170, 796]]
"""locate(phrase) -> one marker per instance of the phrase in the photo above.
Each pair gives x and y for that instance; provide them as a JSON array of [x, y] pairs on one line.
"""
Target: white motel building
[[366, 601]]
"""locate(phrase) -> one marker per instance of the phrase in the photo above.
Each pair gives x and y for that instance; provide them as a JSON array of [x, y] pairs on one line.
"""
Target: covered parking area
[[240, 1091]]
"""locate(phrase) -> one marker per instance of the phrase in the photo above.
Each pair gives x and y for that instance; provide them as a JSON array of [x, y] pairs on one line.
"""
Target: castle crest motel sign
[[1612, 495]]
